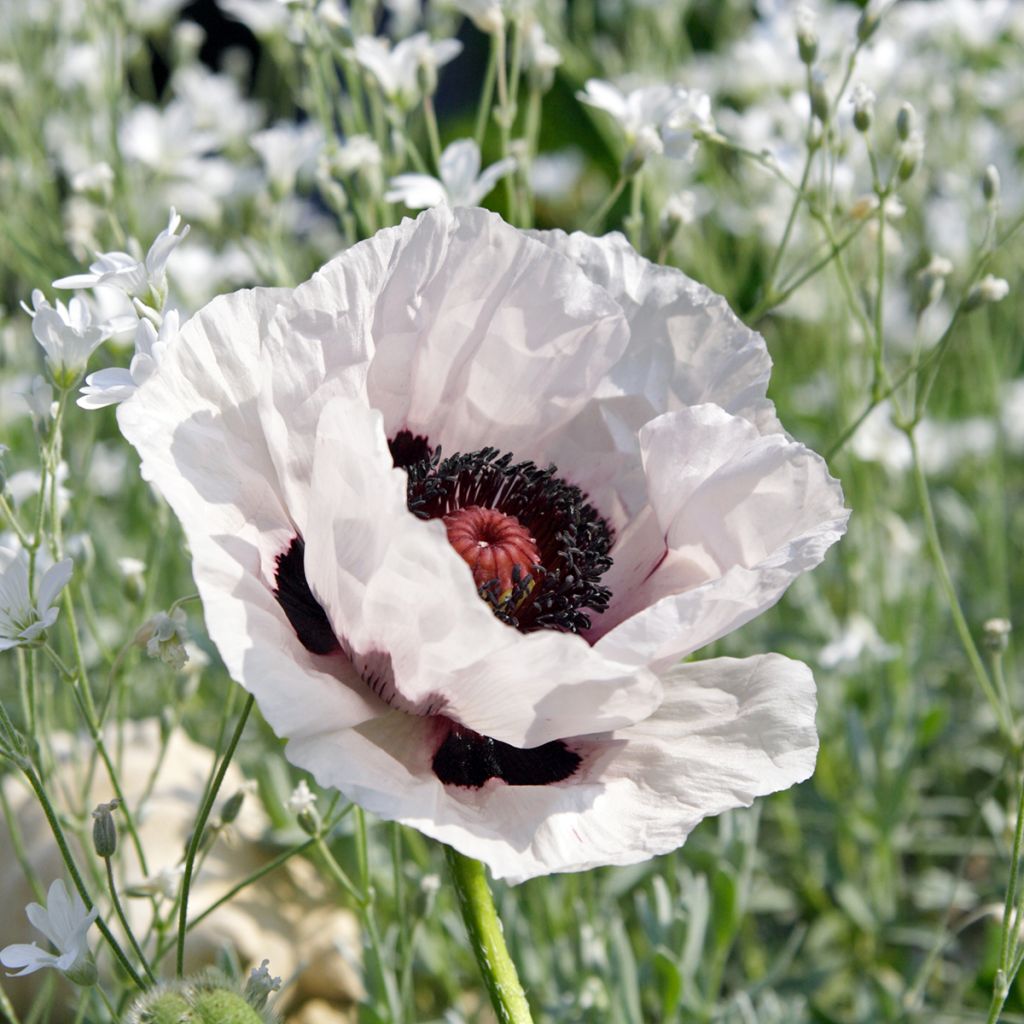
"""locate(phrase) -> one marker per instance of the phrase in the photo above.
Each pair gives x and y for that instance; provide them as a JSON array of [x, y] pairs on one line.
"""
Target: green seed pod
[[160, 1007], [219, 1006]]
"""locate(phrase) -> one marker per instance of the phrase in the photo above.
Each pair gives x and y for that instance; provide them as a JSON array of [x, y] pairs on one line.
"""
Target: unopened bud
[[931, 282], [819, 97], [990, 184], [988, 290], [910, 155], [863, 107], [806, 37], [233, 804], [996, 634], [867, 23], [104, 831], [905, 122]]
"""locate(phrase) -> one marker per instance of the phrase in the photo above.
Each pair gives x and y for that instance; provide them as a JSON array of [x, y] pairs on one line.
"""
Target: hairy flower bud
[[104, 830]]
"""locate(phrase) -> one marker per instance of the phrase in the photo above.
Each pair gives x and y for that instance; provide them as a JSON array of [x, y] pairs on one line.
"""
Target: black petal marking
[[308, 619], [407, 449], [466, 758]]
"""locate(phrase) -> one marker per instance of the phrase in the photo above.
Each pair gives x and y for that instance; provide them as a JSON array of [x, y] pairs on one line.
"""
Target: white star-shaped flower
[[133, 276], [23, 620], [65, 922], [460, 184], [115, 384]]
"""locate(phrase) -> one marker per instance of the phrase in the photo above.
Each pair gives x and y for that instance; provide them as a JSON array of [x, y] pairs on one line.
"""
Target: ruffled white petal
[[483, 339], [394, 585], [197, 425], [741, 515], [727, 732]]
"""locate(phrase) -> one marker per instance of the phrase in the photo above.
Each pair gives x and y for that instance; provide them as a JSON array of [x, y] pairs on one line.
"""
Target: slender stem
[[597, 218], [1011, 911], [271, 865], [486, 94], [119, 910], [7, 1009], [200, 827], [433, 135], [488, 940], [949, 589]]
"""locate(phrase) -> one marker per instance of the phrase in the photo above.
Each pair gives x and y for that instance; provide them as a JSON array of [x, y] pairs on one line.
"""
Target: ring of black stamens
[[572, 539]]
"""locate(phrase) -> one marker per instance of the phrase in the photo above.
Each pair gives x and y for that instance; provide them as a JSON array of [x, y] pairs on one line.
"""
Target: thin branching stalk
[[200, 827]]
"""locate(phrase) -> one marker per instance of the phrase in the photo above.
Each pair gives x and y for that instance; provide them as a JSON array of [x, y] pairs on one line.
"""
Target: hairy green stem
[[487, 939]]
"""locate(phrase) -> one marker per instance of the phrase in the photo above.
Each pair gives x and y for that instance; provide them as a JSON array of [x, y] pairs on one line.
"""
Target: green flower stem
[[597, 218], [7, 1009], [963, 630], [487, 938], [119, 910], [200, 827], [486, 95]]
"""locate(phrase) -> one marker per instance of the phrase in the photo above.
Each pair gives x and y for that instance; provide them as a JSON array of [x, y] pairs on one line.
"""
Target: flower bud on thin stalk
[[863, 107], [104, 830], [988, 290], [806, 37], [990, 187]]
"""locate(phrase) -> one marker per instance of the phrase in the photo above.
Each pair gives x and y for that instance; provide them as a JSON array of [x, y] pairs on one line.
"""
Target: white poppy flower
[[454, 637], [22, 619], [133, 276], [65, 922], [115, 384], [460, 184]]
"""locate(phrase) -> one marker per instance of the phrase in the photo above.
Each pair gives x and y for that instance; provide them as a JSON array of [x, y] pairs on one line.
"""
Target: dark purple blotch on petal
[[466, 758], [308, 619]]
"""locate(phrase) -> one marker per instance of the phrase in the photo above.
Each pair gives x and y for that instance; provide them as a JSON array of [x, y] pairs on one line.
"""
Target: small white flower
[[23, 620], [114, 385], [656, 119], [133, 276], [39, 398], [65, 922], [164, 883], [539, 56], [286, 149], [302, 798], [460, 184], [487, 15], [399, 70], [67, 335], [164, 637], [357, 153]]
